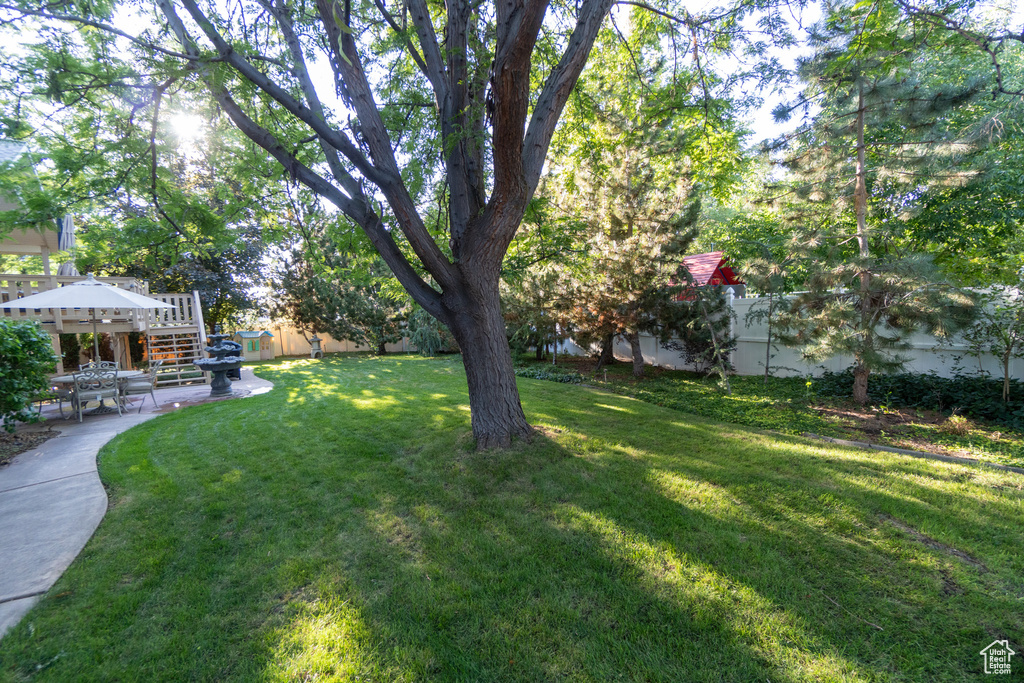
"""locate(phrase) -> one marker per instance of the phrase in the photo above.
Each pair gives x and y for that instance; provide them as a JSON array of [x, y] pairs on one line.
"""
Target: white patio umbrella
[[66, 242], [89, 293]]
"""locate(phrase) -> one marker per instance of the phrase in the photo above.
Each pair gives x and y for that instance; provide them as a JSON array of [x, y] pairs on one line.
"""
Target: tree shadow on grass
[[363, 539], [591, 561]]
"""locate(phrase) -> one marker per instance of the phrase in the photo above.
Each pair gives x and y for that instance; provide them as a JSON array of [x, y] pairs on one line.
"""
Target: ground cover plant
[[907, 411], [342, 527]]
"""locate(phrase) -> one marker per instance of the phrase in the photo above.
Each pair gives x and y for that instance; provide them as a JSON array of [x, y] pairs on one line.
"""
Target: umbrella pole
[[95, 338]]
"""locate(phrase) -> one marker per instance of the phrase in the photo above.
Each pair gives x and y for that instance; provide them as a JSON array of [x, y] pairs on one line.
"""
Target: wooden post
[[55, 343]]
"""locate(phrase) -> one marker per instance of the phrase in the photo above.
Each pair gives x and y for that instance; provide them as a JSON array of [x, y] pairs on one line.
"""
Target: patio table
[[102, 409]]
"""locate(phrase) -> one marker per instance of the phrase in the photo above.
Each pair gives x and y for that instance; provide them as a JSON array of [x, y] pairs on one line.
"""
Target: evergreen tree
[[635, 249], [881, 125], [630, 170]]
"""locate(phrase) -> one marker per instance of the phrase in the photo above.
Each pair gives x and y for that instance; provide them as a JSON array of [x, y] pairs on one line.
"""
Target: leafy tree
[[342, 297], [999, 329], [634, 252], [483, 99], [699, 325], [428, 335], [225, 276], [26, 361], [973, 227], [530, 306], [628, 173], [186, 213], [771, 278]]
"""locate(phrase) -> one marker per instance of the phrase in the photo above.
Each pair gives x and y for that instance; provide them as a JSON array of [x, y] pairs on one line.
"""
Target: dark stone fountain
[[225, 356]]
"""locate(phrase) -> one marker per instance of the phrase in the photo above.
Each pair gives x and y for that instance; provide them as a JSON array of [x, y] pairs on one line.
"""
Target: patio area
[[51, 497]]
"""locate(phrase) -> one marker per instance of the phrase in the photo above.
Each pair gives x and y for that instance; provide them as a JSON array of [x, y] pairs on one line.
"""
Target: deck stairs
[[177, 336], [178, 350]]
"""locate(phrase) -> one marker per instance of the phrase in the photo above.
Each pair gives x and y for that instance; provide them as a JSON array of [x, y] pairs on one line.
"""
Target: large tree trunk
[[607, 356], [638, 357], [478, 327], [860, 383], [382, 349]]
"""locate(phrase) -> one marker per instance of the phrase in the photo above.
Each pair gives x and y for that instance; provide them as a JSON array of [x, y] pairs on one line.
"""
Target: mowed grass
[[341, 528]]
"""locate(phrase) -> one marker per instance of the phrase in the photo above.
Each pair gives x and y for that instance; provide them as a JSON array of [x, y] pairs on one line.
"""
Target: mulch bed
[[13, 444]]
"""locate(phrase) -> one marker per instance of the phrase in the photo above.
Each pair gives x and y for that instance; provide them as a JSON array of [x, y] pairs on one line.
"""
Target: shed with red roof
[[710, 269]]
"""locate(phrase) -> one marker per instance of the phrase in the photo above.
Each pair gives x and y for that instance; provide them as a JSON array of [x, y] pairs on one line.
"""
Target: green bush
[[977, 397], [551, 373], [26, 359]]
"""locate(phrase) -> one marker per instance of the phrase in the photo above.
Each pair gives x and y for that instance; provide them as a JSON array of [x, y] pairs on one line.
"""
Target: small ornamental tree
[[999, 329], [698, 325], [770, 276], [26, 359], [429, 336], [344, 298], [530, 308]]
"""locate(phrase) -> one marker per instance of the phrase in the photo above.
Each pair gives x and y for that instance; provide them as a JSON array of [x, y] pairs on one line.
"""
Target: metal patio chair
[[102, 365], [146, 384], [95, 384]]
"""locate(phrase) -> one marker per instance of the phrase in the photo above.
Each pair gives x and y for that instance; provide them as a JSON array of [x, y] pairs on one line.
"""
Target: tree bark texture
[[638, 356], [496, 413], [860, 383], [607, 356], [860, 196]]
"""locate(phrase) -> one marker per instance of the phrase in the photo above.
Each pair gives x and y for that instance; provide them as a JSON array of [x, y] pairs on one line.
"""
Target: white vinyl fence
[[927, 354]]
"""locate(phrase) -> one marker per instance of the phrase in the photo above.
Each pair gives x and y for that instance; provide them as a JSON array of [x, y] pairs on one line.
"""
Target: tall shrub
[[26, 358]]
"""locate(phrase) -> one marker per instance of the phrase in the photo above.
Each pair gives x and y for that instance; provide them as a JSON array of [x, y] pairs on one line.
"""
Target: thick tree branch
[[333, 137], [359, 209], [371, 127], [557, 88], [301, 72], [433, 61]]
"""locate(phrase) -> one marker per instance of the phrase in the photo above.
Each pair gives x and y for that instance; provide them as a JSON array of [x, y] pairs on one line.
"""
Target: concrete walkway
[[51, 498]]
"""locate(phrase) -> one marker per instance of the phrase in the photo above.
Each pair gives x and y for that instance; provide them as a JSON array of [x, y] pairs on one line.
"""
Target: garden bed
[[19, 442]]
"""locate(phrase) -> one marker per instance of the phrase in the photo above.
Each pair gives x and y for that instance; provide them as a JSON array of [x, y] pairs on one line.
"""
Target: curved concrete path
[[52, 500]]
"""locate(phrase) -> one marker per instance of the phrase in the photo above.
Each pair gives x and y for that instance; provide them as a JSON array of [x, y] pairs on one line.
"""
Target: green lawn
[[342, 528], [792, 406]]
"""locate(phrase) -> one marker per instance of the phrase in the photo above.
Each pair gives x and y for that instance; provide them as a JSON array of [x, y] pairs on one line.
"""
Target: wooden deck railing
[[15, 286], [185, 311]]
